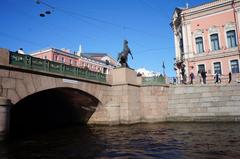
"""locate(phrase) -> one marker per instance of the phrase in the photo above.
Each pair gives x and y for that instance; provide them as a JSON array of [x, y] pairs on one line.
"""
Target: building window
[[62, 59], [45, 58], [181, 45], [201, 68], [234, 66], [231, 39], [217, 68], [70, 62], [56, 58], [214, 42], [199, 44]]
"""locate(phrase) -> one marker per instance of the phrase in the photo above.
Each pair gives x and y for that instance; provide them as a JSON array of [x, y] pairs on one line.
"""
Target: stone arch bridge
[[44, 93], [37, 94]]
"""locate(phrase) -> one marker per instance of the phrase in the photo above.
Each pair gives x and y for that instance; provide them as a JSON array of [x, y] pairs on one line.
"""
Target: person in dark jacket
[[191, 77], [229, 77], [204, 76], [216, 77]]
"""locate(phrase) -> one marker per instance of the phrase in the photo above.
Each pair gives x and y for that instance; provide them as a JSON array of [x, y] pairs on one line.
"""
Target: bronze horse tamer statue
[[123, 56]]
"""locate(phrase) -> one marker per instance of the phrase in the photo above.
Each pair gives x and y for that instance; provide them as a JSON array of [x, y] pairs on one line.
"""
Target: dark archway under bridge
[[50, 109]]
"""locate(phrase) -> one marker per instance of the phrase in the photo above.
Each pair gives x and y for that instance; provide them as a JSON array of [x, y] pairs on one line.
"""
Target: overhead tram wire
[[50, 27], [77, 15], [154, 50], [123, 27], [98, 20], [46, 4], [20, 39], [146, 3], [107, 22], [52, 7]]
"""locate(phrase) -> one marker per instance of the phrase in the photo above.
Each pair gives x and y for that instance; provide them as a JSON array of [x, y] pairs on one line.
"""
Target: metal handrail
[[155, 80], [37, 64]]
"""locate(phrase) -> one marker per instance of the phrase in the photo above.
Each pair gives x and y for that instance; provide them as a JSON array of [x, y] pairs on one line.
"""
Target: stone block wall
[[122, 106], [204, 103], [154, 103]]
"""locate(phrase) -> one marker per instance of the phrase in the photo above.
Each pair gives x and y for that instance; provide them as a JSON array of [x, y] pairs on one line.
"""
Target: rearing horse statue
[[123, 56]]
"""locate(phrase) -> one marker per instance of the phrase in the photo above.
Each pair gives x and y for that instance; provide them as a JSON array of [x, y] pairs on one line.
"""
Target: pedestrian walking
[[204, 76], [229, 77], [216, 77], [200, 76], [191, 77]]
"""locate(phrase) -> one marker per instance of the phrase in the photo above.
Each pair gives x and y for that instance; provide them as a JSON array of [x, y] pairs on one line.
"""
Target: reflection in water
[[73, 142], [164, 140]]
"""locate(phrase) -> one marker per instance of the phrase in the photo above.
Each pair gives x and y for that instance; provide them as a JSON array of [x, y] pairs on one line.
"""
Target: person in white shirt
[[20, 51]]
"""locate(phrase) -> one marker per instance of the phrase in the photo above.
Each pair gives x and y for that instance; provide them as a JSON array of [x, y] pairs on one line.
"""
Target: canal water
[[163, 140]]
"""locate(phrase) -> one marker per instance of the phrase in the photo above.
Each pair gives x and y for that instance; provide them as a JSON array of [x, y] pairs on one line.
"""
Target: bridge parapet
[[156, 80], [43, 65]]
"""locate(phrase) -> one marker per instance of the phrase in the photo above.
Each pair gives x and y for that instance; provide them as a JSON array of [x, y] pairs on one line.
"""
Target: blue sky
[[98, 25]]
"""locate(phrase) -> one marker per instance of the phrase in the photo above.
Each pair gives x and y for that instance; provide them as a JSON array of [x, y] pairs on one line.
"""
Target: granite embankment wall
[[154, 103], [173, 103], [204, 103]]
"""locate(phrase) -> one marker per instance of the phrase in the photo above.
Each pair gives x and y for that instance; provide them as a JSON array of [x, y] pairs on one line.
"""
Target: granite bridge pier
[[36, 94]]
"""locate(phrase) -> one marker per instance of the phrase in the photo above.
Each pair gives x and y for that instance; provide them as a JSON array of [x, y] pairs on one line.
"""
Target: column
[[176, 42], [238, 23], [185, 40], [189, 37]]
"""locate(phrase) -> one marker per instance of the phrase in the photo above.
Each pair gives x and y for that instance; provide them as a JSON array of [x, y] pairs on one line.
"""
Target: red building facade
[[100, 62], [207, 39]]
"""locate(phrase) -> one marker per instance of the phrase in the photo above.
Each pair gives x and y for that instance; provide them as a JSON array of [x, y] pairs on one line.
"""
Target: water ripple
[[164, 140]]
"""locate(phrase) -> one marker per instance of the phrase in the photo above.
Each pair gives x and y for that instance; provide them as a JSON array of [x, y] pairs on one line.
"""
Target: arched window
[[199, 45], [231, 39], [214, 42]]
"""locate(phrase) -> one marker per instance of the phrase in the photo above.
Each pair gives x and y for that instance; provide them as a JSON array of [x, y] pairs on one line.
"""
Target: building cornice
[[208, 9], [216, 55], [208, 6], [41, 51]]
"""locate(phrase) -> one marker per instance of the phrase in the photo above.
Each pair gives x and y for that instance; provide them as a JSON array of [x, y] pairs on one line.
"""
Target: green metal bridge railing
[[37, 64], [156, 80]]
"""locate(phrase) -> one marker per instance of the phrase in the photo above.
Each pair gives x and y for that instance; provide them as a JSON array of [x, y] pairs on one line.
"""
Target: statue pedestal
[[126, 95], [124, 75]]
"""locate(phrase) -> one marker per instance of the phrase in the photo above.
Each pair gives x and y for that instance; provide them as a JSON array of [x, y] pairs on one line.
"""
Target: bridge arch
[[52, 108]]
